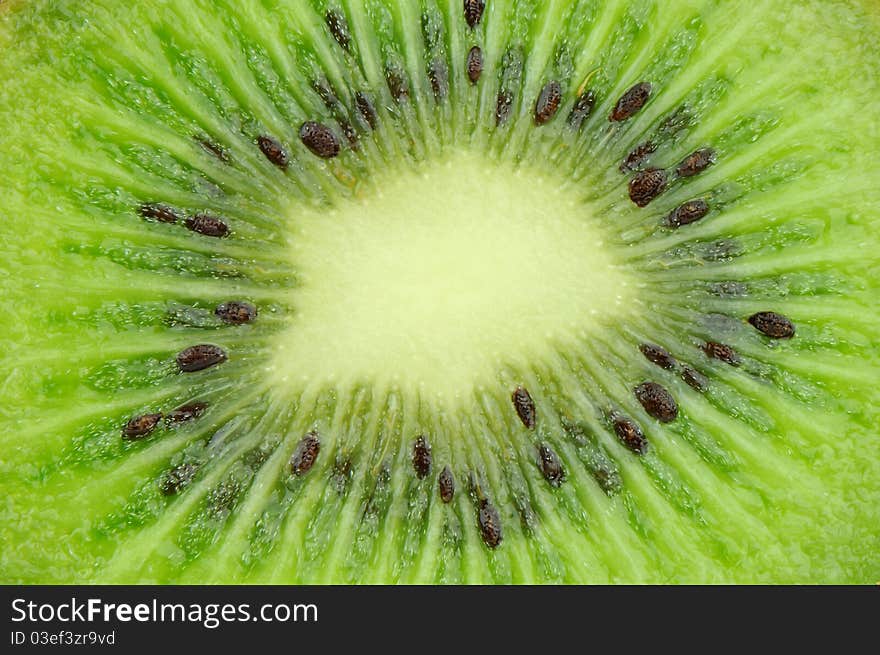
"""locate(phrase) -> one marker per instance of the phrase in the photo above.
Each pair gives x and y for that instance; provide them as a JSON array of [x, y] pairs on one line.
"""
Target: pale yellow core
[[436, 278]]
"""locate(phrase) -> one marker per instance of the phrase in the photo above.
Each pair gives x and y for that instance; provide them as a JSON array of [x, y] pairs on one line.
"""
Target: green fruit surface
[[409, 285]]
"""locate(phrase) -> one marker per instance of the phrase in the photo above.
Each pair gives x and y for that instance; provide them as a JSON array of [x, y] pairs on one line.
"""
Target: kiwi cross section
[[439, 291]]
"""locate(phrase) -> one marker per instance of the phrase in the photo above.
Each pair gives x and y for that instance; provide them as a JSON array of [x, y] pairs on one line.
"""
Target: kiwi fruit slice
[[439, 291]]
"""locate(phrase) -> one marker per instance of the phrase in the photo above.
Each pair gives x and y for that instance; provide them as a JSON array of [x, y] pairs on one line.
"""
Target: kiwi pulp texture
[[432, 291]]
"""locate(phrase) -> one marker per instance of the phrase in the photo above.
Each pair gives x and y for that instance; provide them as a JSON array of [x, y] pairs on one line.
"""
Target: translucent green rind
[[770, 476]]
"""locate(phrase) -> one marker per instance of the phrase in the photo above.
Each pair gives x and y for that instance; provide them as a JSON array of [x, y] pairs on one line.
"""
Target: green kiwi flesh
[[439, 292]]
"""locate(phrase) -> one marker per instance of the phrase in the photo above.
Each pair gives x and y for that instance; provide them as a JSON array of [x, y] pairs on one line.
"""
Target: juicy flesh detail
[[356, 311]]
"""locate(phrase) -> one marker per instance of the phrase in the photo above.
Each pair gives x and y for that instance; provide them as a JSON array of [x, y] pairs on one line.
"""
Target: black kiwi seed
[[366, 110], [186, 413], [439, 77], [637, 156], [473, 12], [236, 312], [551, 467], [397, 84], [338, 28], [688, 212], [582, 109], [199, 357], [657, 401], [213, 149], [772, 324], [647, 185], [446, 483], [319, 139], [525, 407], [631, 102], [658, 355], [490, 524], [694, 379], [421, 457], [274, 151], [503, 105], [207, 225], [159, 213], [721, 352], [696, 162], [474, 64], [140, 426], [178, 478], [305, 454], [548, 102], [631, 435]]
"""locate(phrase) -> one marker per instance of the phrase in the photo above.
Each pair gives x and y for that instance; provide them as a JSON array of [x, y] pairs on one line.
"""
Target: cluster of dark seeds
[[631, 102], [661, 357], [473, 12], [200, 357], [475, 64], [773, 325], [422, 461], [143, 425], [525, 407], [205, 224], [273, 151], [421, 457], [319, 139], [657, 401], [644, 186], [305, 454]]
